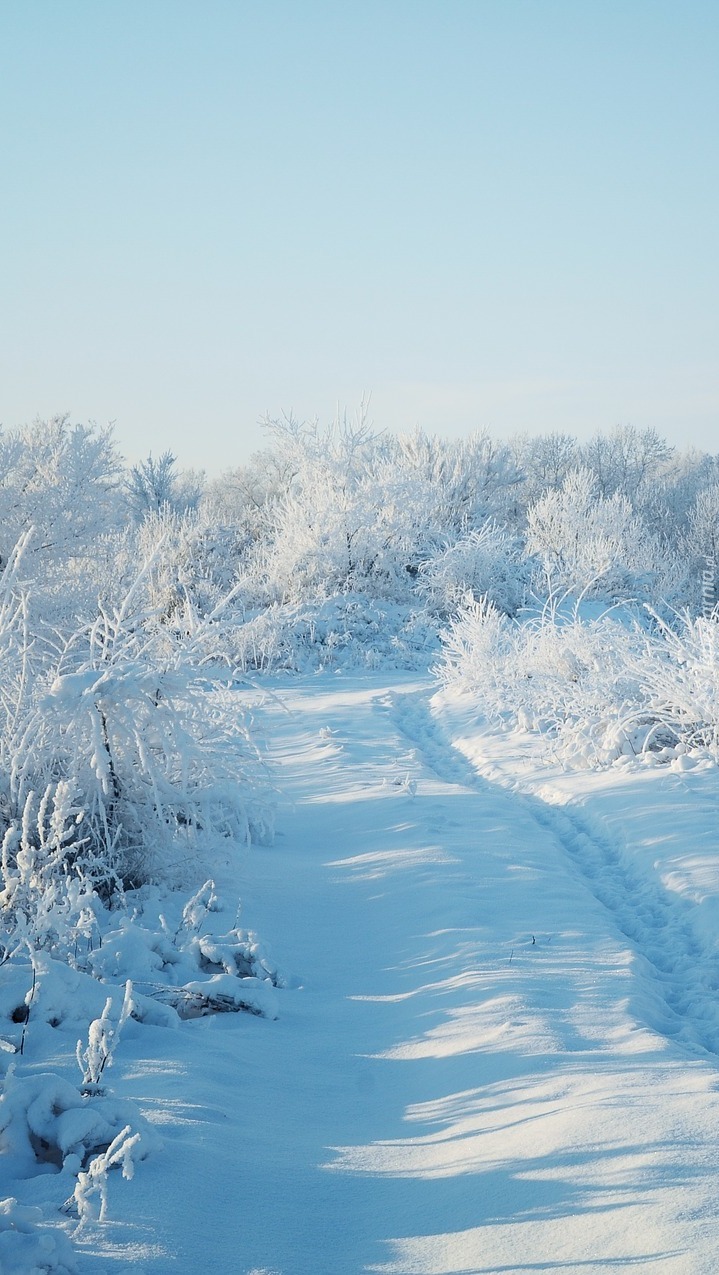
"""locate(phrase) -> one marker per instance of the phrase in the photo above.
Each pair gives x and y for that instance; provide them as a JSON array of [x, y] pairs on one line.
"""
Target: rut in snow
[[685, 973]]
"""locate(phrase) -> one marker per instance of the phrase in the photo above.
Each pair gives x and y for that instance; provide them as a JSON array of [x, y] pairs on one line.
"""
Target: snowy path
[[486, 1068]]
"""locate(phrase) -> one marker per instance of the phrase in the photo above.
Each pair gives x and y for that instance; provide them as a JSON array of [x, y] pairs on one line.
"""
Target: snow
[[497, 1033]]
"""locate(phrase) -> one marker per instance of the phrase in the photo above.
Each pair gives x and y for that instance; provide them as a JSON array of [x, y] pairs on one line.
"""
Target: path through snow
[[485, 1069]]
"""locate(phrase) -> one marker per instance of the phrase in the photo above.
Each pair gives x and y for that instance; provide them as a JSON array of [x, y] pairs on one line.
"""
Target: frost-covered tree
[[628, 460], [193, 562], [484, 564], [589, 542], [361, 512], [666, 502], [703, 523], [153, 485], [62, 480], [322, 531], [544, 460], [463, 481], [268, 475], [700, 547], [244, 498]]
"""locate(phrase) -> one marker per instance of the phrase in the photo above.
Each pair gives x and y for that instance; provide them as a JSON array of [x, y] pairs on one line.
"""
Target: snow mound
[[29, 1248]]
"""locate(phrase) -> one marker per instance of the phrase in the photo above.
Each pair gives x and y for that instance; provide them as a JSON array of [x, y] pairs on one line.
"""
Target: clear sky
[[484, 213]]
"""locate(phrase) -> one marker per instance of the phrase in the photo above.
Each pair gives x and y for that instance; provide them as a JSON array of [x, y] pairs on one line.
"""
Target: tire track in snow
[[683, 973]]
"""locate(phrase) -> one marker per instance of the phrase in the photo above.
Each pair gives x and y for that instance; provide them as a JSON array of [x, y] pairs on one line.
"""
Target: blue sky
[[484, 213]]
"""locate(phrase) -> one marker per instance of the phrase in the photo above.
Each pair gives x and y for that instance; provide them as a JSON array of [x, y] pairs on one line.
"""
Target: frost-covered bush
[[453, 484], [327, 539], [48, 898], [543, 461], [62, 480], [570, 679], [153, 486], [477, 648], [137, 965], [191, 970], [626, 460], [119, 762], [153, 759], [665, 503], [344, 523], [600, 689], [359, 513], [348, 631], [45, 1120], [584, 692], [486, 563], [193, 563], [590, 543], [562, 677], [700, 548], [678, 673]]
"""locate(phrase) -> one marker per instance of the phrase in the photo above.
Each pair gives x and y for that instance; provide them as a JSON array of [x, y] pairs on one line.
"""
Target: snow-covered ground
[[497, 1042]]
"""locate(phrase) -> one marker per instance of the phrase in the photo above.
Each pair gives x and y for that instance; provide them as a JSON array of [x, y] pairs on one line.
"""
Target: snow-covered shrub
[[678, 673], [19, 661], [590, 543], [119, 760], [486, 563], [325, 541], [61, 479], [665, 503], [449, 486], [570, 679], [583, 690], [152, 486], [543, 461], [700, 546], [193, 563], [341, 524], [190, 969], [46, 898], [477, 648], [90, 1194], [44, 1120], [600, 689], [244, 499], [347, 631], [40, 991], [103, 1035], [626, 460], [359, 512], [153, 758], [93, 990]]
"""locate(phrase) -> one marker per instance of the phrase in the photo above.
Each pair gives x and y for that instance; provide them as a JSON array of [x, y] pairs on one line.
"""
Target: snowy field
[[497, 1030], [359, 782]]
